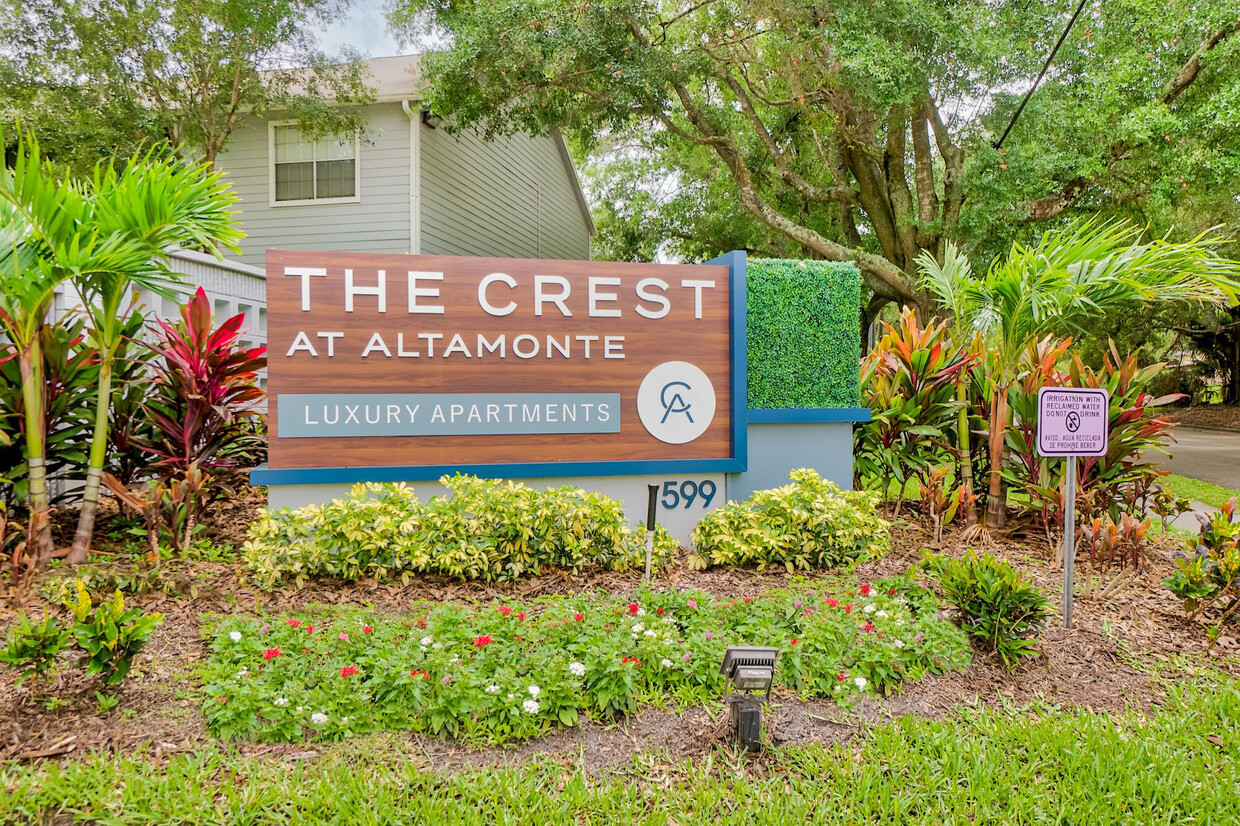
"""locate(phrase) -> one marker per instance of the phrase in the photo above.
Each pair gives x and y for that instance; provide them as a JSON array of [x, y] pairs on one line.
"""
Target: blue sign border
[[735, 261]]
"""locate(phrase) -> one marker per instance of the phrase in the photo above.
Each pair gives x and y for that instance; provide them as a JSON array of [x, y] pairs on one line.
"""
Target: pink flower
[[293, 623], [691, 604], [272, 653], [796, 604], [263, 630], [366, 629], [918, 637], [348, 671], [688, 656], [342, 635], [710, 634], [447, 678]]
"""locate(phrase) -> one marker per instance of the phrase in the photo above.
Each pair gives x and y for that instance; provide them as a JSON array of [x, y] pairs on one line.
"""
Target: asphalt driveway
[[1208, 455]]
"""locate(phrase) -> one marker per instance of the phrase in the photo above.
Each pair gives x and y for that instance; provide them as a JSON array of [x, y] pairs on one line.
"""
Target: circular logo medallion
[[676, 402]]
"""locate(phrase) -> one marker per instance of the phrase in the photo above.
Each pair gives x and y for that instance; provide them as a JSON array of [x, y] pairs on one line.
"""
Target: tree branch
[[1189, 71]]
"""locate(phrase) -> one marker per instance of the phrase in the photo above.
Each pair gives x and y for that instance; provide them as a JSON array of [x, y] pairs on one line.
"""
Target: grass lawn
[[1199, 491], [1032, 765]]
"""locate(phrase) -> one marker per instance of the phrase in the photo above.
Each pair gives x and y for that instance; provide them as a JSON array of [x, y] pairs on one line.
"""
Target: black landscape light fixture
[[750, 668], [431, 119]]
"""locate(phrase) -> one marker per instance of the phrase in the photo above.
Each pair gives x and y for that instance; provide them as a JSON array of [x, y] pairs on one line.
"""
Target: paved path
[[1208, 455]]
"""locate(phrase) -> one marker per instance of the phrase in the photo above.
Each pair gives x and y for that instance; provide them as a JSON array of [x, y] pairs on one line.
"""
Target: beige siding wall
[[511, 197], [378, 223]]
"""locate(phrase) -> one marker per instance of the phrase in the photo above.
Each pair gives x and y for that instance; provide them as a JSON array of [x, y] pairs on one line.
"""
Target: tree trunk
[[996, 501], [94, 469], [32, 400]]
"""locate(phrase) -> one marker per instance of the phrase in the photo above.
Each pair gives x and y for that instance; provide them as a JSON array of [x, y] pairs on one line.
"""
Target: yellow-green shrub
[[487, 529], [808, 524]]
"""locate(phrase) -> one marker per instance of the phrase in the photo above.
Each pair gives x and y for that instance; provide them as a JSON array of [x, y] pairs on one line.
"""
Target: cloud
[[364, 29]]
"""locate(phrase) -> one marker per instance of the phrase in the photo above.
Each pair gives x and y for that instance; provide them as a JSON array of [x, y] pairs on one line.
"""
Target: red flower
[[891, 592], [421, 622], [504, 609], [633, 660], [794, 640], [366, 629], [748, 600], [634, 608], [485, 639], [272, 653], [578, 617], [841, 677], [847, 608], [659, 612], [831, 602], [348, 671], [521, 616], [417, 672], [309, 629], [293, 623], [516, 636], [869, 626], [865, 590], [221, 699]]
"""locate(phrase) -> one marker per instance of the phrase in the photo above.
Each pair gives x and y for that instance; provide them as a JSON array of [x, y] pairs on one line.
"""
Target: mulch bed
[[1088, 666], [1223, 416]]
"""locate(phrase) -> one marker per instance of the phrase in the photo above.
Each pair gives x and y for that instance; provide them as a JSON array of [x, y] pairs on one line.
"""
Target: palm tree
[[1070, 276], [109, 236]]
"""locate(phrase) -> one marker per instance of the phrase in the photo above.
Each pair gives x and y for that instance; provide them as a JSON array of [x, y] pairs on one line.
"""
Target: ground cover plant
[[500, 671], [487, 529], [1037, 765], [809, 523]]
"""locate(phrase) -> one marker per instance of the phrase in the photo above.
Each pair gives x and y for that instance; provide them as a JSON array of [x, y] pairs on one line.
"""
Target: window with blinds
[[313, 170]]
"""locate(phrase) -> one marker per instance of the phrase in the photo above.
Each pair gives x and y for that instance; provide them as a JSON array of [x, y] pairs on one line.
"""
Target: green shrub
[[808, 524], [1210, 573], [804, 333], [110, 635], [487, 529], [32, 647], [1000, 608], [496, 671]]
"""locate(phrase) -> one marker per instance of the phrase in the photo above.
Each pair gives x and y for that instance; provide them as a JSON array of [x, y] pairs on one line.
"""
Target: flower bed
[[493, 672]]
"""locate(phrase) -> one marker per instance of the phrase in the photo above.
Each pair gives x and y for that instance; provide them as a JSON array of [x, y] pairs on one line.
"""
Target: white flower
[[666, 663], [300, 709], [869, 609], [318, 718], [667, 640], [492, 689], [530, 706], [861, 682], [651, 633], [634, 636], [511, 696], [455, 658], [899, 643], [638, 628], [344, 719], [437, 646], [577, 669], [282, 701], [669, 621], [235, 636], [641, 612], [426, 640], [882, 614], [534, 690]]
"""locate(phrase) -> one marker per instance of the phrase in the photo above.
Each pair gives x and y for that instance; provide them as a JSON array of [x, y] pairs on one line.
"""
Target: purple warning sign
[[1072, 421]]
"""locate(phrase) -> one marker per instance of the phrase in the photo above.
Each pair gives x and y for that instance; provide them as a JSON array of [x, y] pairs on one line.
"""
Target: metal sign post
[[1072, 422]]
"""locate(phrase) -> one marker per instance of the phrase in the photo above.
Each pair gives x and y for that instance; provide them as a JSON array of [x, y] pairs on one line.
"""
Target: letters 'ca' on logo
[[676, 402]]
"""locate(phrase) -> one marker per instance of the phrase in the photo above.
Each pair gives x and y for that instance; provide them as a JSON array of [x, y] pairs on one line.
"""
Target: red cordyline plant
[[205, 391]]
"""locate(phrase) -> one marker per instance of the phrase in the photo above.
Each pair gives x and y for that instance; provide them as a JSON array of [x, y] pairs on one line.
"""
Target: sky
[[365, 29]]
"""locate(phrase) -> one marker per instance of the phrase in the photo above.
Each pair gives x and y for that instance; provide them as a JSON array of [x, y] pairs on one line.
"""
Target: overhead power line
[[1041, 74]]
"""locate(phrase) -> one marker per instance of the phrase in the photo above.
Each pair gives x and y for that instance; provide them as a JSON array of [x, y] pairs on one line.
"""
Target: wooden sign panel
[[440, 362]]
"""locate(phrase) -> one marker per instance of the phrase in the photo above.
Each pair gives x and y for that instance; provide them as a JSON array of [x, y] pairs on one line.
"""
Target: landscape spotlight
[[750, 668]]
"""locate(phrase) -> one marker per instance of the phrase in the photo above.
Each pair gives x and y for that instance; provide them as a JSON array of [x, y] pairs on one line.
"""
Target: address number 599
[[688, 492]]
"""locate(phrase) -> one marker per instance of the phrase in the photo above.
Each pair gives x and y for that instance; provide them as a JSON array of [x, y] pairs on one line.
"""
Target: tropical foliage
[[1210, 570]]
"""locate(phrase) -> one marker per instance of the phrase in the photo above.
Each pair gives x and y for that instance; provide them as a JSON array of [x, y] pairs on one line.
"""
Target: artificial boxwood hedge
[[804, 333]]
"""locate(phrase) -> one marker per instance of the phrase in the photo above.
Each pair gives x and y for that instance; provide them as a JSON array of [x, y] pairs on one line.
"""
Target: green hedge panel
[[804, 333]]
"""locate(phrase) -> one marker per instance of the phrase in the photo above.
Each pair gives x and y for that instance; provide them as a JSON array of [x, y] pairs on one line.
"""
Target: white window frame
[[356, 198]]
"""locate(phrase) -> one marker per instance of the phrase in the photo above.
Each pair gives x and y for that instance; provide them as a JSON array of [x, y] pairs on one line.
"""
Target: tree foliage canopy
[[98, 78], [861, 130]]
